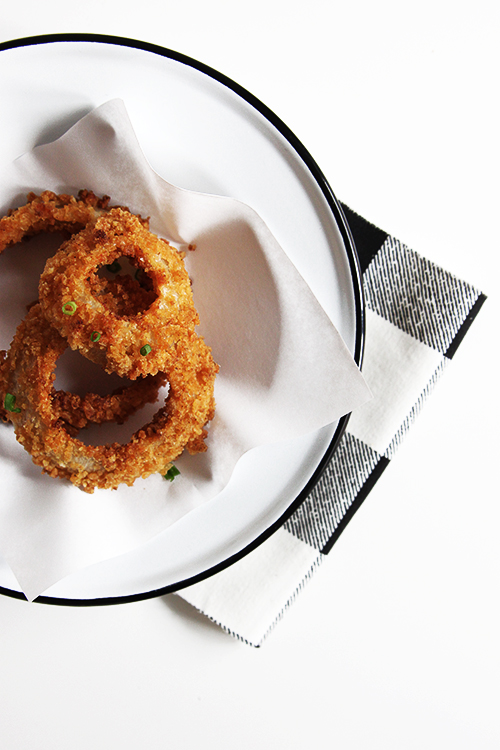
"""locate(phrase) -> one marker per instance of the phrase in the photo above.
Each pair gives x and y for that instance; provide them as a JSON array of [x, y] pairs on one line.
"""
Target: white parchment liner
[[284, 369]]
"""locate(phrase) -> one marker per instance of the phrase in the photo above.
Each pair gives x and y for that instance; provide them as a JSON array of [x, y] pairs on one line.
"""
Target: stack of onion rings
[[64, 213], [146, 334]]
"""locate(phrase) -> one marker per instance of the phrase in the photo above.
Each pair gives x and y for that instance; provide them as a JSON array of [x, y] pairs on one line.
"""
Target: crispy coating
[[27, 374], [116, 318], [123, 295], [129, 345], [49, 212], [76, 412]]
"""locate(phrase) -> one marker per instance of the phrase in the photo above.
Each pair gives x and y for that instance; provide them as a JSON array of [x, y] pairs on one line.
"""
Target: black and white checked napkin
[[416, 316]]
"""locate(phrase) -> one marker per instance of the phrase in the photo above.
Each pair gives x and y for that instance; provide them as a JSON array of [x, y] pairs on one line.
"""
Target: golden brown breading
[[28, 377], [141, 327], [123, 295], [49, 212], [76, 412], [129, 345]]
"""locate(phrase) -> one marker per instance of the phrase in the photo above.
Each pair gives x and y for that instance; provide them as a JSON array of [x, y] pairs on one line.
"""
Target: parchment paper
[[284, 369]]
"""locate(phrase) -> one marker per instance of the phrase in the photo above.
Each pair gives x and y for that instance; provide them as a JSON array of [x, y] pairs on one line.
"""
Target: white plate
[[203, 132]]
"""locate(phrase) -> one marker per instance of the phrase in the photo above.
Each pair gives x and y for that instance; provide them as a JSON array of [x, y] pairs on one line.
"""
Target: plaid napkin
[[416, 316]]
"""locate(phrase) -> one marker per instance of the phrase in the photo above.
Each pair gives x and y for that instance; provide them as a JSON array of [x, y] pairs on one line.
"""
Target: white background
[[394, 642]]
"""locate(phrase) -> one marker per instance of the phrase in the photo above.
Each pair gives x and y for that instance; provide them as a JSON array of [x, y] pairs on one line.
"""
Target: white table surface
[[394, 642]]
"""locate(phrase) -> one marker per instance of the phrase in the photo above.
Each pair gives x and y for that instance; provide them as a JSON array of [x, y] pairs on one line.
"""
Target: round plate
[[203, 132]]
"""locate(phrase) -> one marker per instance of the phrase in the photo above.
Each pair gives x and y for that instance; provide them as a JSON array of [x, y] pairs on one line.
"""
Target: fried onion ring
[[130, 345], [49, 212], [76, 412], [28, 377]]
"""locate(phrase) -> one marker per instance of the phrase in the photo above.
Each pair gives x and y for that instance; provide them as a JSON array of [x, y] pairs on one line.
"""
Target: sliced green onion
[[145, 350], [95, 336], [172, 473], [69, 308], [114, 267], [9, 403]]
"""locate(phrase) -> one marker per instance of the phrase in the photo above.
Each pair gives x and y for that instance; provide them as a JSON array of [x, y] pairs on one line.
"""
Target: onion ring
[[130, 345], [49, 212], [76, 412], [28, 377]]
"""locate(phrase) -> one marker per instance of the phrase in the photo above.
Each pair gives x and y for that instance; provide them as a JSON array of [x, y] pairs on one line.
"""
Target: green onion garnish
[[69, 308], [95, 336], [114, 267], [145, 350], [172, 473], [9, 403]]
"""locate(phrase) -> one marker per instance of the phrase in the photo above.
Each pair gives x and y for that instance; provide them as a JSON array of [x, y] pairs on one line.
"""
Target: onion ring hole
[[77, 375], [123, 287]]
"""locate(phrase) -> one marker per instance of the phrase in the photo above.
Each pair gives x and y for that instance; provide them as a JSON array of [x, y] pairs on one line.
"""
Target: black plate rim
[[355, 270]]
